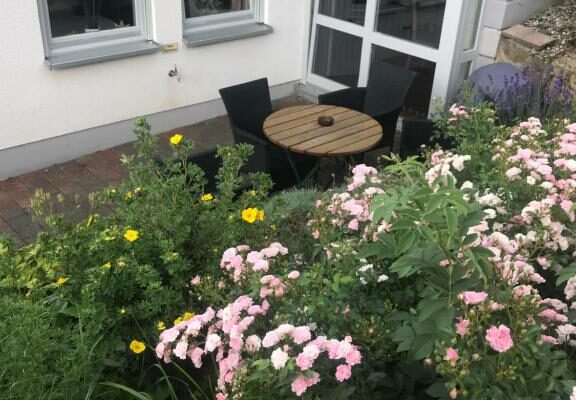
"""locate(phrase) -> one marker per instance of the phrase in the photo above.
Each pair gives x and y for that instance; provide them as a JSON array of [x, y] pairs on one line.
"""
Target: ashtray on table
[[325, 120]]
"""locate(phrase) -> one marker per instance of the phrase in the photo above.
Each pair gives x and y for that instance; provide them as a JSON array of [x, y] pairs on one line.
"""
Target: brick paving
[[90, 173]]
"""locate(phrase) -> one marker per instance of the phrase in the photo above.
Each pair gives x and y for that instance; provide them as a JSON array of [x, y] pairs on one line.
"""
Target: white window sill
[[101, 54], [219, 35]]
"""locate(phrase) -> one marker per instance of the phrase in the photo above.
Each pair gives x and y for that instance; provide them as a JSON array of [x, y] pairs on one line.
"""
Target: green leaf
[[430, 306], [369, 250], [422, 346], [451, 221], [403, 333], [132, 392], [405, 242], [566, 274], [385, 205], [438, 390], [472, 218]]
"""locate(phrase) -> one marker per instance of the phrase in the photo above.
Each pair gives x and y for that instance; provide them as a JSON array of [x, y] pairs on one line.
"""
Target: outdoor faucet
[[174, 73]]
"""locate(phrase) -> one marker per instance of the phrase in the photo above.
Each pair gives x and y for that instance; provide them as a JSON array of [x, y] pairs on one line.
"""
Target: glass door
[[434, 38]]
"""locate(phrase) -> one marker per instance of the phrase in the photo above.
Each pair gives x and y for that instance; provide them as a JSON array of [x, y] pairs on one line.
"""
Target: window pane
[[199, 8], [347, 10], [415, 20], [337, 56], [471, 23], [70, 17], [418, 98]]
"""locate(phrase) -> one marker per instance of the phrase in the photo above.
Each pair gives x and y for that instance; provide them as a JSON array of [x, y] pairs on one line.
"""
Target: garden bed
[[446, 278]]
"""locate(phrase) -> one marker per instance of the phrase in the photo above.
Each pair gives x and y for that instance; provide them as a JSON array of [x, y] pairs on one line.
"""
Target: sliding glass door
[[434, 38]]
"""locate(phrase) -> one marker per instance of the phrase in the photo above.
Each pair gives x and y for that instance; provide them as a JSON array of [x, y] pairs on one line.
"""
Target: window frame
[[81, 42], [222, 20]]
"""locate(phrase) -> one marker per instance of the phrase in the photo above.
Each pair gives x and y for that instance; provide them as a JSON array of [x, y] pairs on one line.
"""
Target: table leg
[[293, 166], [312, 172]]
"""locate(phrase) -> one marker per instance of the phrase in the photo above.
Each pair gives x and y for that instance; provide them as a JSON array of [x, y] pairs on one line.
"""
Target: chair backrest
[[248, 104], [387, 88]]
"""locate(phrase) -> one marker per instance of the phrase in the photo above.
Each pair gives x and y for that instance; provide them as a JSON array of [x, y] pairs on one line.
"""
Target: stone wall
[[520, 46], [500, 15]]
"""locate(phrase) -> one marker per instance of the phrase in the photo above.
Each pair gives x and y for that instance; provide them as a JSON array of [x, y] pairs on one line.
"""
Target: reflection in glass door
[[414, 20], [434, 38]]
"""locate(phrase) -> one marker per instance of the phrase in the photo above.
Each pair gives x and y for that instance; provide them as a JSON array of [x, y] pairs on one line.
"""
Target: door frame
[[448, 57]]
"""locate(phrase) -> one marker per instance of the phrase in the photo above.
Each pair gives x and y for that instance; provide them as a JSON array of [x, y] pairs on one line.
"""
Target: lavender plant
[[538, 92]]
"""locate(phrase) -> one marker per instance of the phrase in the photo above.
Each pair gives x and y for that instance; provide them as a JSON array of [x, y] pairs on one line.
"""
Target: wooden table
[[297, 129]]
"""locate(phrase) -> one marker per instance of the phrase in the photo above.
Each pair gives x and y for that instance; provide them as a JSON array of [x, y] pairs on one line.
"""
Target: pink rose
[[462, 327], [301, 334], [195, 281], [453, 393], [472, 298], [343, 372], [549, 339], [316, 234], [451, 354], [499, 338], [294, 275], [299, 386], [353, 224]]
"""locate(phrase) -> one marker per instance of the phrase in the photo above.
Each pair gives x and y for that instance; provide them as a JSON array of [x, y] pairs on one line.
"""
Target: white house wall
[[38, 104], [500, 15]]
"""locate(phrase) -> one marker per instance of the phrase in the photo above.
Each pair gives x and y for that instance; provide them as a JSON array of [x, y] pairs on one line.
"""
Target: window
[[213, 21], [78, 32]]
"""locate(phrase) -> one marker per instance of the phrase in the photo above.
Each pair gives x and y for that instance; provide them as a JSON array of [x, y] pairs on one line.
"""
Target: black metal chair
[[248, 104], [418, 132], [208, 162], [415, 134], [382, 98]]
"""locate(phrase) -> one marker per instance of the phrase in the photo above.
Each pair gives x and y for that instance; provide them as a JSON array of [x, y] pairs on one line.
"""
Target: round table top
[[297, 129]]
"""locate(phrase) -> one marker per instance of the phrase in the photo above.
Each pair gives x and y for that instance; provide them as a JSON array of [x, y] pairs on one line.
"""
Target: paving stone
[[19, 221], [10, 209], [528, 36], [22, 197], [104, 174], [70, 187], [36, 180], [11, 184], [30, 230]]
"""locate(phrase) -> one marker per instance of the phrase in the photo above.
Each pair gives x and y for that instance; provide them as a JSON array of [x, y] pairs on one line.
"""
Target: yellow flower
[[121, 264], [137, 347], [252, 193], [207, 197], [250, 215], [131, 235], [122, 310], [61, 281], [137, 191], [177, 320], [128, 196], [161, 326], [108, 265], [261, 215], [176, 139], [187, 316]]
